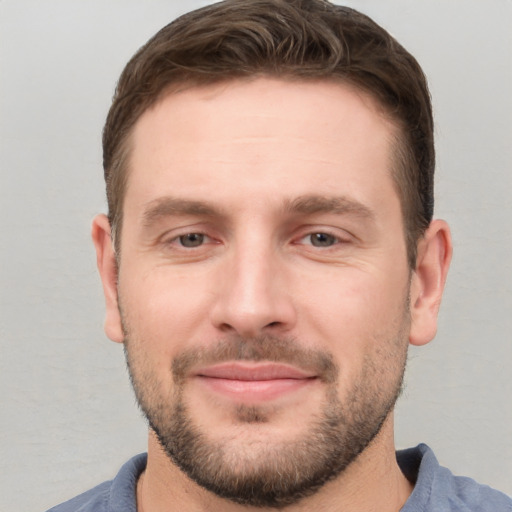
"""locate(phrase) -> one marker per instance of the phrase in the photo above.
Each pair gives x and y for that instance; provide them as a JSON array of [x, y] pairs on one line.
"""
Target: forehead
[[261, 137], [310, 102]]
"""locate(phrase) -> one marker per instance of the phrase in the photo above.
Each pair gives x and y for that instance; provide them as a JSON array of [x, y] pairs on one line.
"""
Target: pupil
[[191, 240], [322, 240]]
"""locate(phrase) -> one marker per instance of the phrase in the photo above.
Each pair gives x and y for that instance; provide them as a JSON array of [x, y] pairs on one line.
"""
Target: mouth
[[253, 382]]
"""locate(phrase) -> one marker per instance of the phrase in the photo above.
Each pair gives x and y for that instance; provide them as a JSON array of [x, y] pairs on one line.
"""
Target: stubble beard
[[261, 473]]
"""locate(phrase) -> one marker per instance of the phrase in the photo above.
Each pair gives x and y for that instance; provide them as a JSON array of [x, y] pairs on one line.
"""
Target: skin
[[251, 152]]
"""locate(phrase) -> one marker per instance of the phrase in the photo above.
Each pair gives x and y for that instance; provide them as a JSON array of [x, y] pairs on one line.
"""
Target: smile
[[254, 382]]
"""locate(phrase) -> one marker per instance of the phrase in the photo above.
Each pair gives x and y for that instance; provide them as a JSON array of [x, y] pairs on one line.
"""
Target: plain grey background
[[68, 416]]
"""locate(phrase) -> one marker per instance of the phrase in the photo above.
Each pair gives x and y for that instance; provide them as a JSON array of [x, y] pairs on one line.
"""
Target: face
[[263, 283]]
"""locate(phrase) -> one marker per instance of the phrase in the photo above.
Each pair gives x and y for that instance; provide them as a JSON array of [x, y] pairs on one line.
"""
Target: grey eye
[[322, 239], [191, 239]]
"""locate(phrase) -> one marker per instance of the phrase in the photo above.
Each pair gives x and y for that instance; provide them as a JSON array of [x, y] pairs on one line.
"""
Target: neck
[[373, 482]]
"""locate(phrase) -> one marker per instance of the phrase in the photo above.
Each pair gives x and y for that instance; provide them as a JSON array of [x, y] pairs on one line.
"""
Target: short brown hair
[[298, 39]]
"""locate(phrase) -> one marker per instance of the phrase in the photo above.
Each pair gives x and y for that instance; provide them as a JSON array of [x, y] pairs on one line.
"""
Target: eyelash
[[178, 240], [204, 238], [333, 239]]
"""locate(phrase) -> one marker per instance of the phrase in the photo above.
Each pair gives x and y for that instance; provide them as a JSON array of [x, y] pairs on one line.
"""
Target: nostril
[[225, 327]]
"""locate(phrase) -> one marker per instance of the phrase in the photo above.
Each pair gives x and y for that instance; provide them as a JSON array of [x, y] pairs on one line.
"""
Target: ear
[[428, 279], [107, 266]]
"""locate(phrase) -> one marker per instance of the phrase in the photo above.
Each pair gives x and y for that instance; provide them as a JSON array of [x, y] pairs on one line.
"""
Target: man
[[268, 256]]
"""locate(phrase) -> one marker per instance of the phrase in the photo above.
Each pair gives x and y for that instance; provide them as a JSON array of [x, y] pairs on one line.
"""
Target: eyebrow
[[172, 206], [313, 204], [309, 204]]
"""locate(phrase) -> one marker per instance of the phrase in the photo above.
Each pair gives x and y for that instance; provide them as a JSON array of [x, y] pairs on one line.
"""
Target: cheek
[[353, 312], [164, 308]]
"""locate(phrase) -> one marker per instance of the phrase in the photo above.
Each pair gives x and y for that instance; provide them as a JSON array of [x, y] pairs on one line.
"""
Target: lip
[[247, 371], [253, 382]]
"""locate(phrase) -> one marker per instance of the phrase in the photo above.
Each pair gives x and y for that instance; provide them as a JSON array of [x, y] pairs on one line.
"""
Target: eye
[[321, 239], [191, 240]]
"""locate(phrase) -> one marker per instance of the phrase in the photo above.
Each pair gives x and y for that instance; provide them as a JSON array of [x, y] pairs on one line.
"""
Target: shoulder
[[111, 496], [437, 489], [94, 500]]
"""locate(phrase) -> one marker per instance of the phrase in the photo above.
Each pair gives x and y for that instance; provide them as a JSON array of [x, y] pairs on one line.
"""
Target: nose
[[253, 297]]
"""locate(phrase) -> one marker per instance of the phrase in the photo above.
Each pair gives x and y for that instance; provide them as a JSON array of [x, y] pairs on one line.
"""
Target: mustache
[[266, 347]]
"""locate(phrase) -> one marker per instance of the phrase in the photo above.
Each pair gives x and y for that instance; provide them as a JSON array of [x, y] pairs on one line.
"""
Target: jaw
[[372, 481]]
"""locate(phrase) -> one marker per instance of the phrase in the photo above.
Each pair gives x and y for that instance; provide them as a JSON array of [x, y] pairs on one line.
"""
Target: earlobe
[[107, 266], [428, 280]]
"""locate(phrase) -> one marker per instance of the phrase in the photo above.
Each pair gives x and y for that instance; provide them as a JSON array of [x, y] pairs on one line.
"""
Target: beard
[[257, 471]]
